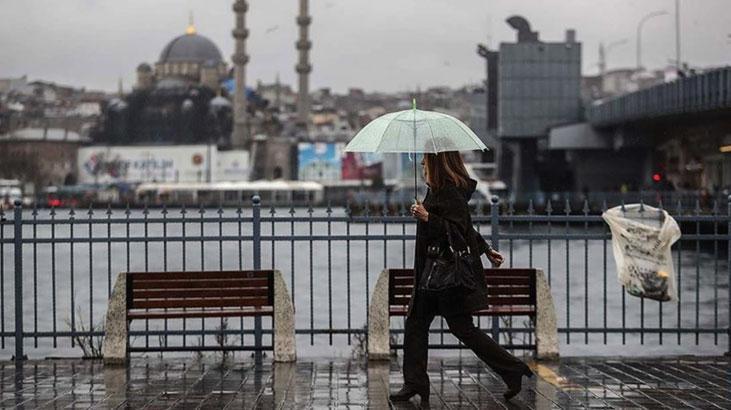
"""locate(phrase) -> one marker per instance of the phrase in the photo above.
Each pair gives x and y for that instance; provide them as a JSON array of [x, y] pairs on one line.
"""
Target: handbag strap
[[449, 227]]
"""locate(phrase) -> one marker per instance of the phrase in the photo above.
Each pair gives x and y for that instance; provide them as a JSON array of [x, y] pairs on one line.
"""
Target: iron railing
[[60, 264]]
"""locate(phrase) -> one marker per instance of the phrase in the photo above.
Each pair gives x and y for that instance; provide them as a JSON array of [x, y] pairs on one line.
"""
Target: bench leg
[[379, 321], [546, 330], [284, 341], [114, 348]]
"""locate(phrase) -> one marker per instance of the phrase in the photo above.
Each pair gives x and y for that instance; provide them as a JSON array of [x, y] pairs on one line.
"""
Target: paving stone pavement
[[572, 383]]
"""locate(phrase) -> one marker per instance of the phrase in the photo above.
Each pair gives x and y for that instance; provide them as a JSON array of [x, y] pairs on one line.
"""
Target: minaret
[[278, 94], [240, 136], [303, 66]]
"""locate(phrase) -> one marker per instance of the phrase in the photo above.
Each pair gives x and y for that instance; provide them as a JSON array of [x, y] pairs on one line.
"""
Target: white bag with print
[[641, 240]]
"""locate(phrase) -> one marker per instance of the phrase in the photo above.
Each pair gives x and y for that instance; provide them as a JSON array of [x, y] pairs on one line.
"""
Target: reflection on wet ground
[[680, 382]]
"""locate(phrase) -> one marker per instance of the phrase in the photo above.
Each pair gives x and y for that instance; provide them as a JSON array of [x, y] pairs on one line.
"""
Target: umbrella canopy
[[415, 131]]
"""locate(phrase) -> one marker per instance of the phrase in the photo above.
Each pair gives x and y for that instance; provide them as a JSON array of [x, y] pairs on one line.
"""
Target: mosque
[[181, 100], [187, 60]]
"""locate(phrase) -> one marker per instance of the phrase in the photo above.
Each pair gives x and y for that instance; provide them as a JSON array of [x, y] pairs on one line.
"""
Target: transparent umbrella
[[415, 131]]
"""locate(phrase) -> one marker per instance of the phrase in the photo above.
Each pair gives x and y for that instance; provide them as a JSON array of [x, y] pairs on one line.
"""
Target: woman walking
[[445, 207]]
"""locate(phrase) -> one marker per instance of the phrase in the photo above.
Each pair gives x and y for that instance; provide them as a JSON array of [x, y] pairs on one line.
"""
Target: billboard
[[319, 161], [328, 162], [178, 163]]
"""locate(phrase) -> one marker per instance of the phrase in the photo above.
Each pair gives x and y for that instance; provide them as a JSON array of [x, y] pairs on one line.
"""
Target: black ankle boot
[[406, 393], [515, 381]]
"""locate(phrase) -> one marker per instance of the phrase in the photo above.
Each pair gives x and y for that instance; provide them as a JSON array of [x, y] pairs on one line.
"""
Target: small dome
[[190, 48], [144, 67]]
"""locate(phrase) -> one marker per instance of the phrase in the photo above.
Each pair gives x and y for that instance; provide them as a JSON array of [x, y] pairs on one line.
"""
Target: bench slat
[[508, 280], [187, 303], [508, 290], [183, 314], [510, 272], [199, 284], [520, 301], [177, 293], [226, 274]]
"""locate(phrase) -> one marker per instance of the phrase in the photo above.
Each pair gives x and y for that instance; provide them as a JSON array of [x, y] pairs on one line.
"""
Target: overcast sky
[[385, 45]]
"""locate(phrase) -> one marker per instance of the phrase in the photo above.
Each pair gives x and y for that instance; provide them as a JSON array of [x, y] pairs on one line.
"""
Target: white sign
[[137, 164], [232, 165]]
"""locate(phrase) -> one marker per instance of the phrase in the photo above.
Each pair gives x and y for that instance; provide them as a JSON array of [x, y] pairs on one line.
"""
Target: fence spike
[[309, 207], [586, 208], [220, 211], [272, 210], [329, 209], [604, 205], [367, 208], [549, 207], [183, 211], [697, 208], [145, 209], [126, 209], [109, 208], [72, 212], [714, 207], [201, 210], [35, 210], [567, 207], [90, 212], [511, 207], [679, 207], [530, 209]]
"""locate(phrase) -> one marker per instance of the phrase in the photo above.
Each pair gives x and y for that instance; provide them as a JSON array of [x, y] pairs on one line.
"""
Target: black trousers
[[416, 341]]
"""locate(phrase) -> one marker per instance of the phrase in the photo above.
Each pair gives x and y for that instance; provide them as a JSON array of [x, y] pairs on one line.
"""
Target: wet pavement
[[154, 383]]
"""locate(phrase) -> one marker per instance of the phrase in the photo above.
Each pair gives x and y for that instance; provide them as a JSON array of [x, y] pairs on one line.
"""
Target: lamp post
[[639, 34]]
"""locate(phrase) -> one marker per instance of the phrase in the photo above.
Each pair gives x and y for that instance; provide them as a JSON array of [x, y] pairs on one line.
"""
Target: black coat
[[449, 205]]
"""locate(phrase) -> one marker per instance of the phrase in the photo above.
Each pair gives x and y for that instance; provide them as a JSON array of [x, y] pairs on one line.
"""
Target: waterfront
[[334, 264]]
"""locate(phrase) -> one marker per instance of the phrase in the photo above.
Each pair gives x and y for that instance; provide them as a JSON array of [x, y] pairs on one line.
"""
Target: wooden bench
[[183, 295], [511, 292]]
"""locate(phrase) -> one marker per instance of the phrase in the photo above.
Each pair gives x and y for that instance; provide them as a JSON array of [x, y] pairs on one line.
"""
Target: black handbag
[[448, 268]]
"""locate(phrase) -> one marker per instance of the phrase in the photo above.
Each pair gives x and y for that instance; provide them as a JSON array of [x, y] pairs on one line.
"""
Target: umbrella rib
[[432, 137]]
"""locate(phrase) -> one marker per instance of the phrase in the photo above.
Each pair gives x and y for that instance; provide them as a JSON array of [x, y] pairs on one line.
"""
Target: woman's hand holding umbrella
[[419, 212]]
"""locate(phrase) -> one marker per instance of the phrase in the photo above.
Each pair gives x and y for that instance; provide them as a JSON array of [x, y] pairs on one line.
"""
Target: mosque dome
[[191, 47]]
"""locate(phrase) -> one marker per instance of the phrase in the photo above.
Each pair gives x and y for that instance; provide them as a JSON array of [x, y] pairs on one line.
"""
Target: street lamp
[[639, 34]]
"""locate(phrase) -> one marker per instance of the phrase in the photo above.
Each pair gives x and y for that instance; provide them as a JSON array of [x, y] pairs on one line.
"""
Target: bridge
[[706, 93], [673, 135]]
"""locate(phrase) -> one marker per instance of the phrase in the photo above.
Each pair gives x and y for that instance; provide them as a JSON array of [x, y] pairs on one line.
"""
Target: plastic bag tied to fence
[[642, 237]]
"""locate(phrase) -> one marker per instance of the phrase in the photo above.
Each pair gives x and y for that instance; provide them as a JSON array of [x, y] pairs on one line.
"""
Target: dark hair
[[445, 167]]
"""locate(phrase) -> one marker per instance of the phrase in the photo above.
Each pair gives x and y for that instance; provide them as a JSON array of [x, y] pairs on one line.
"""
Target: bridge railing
[[707, 91]]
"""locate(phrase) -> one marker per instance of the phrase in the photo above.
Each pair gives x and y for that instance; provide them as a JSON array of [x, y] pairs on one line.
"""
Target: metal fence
[[57, 267]]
